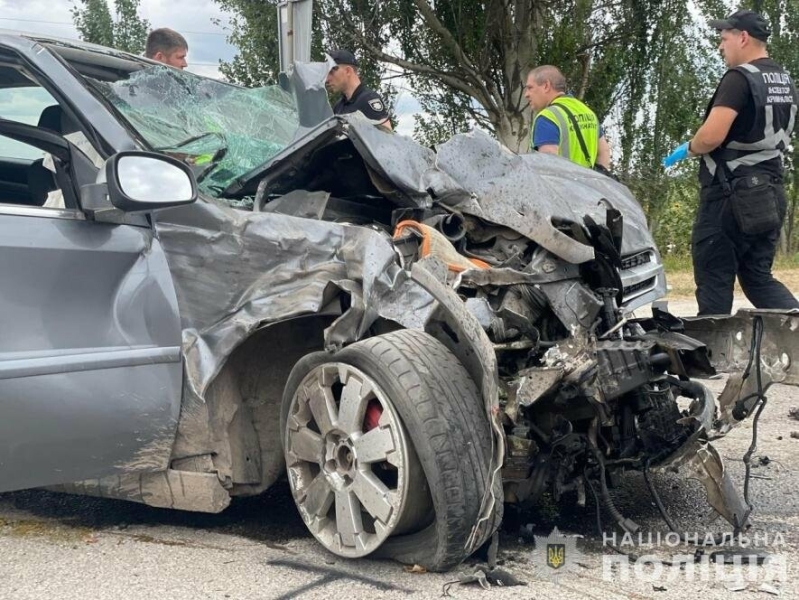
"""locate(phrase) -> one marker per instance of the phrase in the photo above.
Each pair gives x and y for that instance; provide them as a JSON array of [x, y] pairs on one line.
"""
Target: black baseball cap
[[745, 20], [343, 57]]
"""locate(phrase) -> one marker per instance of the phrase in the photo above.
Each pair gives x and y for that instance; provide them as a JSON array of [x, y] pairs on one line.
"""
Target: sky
[[201, 22]]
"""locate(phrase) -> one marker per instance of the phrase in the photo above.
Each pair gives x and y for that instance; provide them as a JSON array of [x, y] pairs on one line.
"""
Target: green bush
[[670, 205]]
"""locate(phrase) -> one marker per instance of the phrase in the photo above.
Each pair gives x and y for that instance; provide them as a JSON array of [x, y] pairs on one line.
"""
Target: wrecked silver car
[[415, 337]]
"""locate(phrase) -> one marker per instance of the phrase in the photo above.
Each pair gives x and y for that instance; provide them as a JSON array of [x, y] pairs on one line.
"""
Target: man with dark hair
[[742, 141], [562, 124], [343, 78], [167, 46]]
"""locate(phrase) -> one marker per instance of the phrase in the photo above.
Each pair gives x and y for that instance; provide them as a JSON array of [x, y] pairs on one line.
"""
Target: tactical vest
[[569, 146], [761, 149]]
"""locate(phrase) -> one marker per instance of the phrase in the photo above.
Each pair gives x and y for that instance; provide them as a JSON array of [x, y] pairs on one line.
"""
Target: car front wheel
[[387, 448]]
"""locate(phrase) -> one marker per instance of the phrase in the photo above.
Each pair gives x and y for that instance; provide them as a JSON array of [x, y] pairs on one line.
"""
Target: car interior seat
[[41, 181]]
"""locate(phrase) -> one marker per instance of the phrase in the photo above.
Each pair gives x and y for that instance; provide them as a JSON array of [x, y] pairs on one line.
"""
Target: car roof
[[88, 49]]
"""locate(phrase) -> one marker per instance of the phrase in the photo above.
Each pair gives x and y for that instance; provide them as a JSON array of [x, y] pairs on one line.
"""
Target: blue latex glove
[[680, 153]]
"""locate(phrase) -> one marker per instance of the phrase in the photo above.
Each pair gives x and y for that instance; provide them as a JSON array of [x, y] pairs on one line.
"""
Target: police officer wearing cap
[[746, 131], [343, 78]]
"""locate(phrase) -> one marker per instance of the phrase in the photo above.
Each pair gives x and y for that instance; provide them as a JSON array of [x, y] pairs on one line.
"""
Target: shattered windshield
[[222, 130]]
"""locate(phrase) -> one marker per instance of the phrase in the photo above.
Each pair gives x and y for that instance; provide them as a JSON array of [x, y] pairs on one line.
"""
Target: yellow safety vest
[[569, 146]]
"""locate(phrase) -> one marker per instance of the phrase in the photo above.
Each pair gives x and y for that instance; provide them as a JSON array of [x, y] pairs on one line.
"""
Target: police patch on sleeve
[[376, 105]]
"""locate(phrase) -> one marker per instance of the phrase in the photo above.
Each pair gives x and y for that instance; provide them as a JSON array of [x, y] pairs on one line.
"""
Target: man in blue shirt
[[563, 124]]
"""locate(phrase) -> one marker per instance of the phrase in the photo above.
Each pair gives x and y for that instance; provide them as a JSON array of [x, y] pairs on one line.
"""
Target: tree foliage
[[783, 15], [253, 31], [94, 23]]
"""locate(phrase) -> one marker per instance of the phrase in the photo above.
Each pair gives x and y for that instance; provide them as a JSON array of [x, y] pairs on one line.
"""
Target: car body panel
[[90, 364]]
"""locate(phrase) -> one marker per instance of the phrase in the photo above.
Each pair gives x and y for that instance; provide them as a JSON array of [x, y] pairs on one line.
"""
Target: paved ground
[[66, 547]]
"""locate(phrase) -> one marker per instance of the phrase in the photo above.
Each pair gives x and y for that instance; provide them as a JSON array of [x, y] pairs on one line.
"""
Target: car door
[[90, 361]]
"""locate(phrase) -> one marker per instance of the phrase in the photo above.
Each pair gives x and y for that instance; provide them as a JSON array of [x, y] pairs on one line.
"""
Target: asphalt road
[[55, 546]]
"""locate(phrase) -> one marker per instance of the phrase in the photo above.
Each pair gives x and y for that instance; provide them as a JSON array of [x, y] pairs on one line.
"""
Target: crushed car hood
[[472, 173]]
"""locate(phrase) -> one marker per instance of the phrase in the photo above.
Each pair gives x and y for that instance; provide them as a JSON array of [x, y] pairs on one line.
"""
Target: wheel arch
[[244, 400]]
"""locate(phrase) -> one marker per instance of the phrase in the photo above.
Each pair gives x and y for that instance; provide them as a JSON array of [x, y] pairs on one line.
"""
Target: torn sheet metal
[[737, 401], [307, 84], [689, 357], [503, 277], [702, 411], [477, 176], [729, 340], [573, 303], [537, 381], [703, 463], [526, 192], [236, 271]]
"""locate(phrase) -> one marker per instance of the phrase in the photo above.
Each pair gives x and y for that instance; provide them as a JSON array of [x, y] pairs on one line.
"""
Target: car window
[[27, 173], [23, 104]]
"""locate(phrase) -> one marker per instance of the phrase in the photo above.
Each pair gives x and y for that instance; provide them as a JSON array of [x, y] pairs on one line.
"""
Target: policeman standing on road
[[563, 124], [355, 96], [746, 131]]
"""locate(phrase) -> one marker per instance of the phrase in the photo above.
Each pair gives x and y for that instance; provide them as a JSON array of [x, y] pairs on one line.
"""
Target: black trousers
[[721, 252]]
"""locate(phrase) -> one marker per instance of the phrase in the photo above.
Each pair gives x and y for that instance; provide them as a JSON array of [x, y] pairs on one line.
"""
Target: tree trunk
[[513, 130]]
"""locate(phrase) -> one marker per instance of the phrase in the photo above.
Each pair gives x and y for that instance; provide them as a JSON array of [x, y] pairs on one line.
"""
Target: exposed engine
[[586, 388]]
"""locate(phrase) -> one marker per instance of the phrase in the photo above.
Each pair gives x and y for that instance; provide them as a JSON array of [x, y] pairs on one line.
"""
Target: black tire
[[442, 411]]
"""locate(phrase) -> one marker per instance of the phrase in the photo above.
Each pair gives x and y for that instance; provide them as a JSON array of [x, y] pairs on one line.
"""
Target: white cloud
[[192, 18], [405, 108], [406, 123]]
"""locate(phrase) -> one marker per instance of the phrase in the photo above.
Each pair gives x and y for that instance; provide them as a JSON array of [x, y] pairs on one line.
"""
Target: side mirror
[[145, 181]]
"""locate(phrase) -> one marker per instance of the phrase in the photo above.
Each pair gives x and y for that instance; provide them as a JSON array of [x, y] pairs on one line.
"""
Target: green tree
[[647, 67], [128, 32], [784, 48], [253, 30], [467, 59], [94, 22], [672, 71]]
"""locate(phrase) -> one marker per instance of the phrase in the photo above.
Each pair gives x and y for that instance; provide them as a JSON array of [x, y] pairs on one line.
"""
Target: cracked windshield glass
[[222, 130]]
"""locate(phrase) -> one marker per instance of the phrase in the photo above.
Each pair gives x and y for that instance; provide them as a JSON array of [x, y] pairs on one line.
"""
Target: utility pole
[[294, 22]]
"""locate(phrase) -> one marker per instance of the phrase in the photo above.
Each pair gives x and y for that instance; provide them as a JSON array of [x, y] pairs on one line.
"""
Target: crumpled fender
[[701, 461]]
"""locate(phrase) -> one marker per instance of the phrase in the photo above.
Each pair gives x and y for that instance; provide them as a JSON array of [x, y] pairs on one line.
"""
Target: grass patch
[[56, 530], [680, 277], [678, 263]]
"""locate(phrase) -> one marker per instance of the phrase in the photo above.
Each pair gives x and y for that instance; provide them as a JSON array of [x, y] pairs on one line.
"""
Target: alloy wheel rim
[[348, 474]]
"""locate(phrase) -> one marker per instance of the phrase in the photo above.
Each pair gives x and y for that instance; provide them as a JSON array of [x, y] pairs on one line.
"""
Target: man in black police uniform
[[355, 96], [747, 128]]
